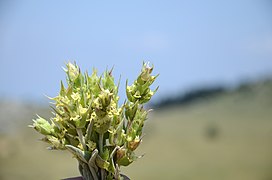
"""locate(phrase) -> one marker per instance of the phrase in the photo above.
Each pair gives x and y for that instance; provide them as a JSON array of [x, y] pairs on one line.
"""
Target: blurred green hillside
[[223, 137]]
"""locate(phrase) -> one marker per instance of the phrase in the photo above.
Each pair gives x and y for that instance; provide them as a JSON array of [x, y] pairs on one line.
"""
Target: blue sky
[[191, 43]]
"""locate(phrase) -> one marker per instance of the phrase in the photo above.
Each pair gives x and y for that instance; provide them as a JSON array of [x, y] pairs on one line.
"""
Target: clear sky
[[191, 43]]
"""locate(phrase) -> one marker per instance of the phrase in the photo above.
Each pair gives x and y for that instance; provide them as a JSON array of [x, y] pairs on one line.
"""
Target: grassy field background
[[225, 138]]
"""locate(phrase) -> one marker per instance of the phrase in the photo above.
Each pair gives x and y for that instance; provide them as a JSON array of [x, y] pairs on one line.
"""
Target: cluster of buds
[[88, 121]]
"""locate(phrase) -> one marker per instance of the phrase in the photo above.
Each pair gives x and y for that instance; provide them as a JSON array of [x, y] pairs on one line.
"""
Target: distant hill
[[209, 93]]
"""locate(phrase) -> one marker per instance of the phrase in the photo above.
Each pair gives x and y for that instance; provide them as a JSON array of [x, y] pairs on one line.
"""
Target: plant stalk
[[102, 171], [93, 173], [81, 138]]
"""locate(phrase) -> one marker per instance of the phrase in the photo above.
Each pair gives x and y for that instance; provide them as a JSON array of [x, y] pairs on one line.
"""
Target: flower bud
[[105, 98], [72, 71], [120, 153], [130, 110], [56, 143], [140, 89], [101, 125], [125, 157], [78, 121], [132, 145], [75, 96], [146, 71], [42, 126], [108, 81], [91, 145], [130, 92]]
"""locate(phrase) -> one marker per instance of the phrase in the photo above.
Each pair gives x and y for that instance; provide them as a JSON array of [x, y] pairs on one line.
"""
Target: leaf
[[62, 89], [82, 155], [102, 163], [124, 161], [106, 154], [93, 159]]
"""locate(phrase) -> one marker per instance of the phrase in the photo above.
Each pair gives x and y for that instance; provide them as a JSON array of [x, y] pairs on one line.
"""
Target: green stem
[[102, 171], [101, 136], [116, 170], [81, 138], [89, 131], [92, 165], [93, 173], [85, 171]]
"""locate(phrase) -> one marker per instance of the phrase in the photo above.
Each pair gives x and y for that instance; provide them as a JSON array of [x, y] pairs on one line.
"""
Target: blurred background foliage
[[212, 115]]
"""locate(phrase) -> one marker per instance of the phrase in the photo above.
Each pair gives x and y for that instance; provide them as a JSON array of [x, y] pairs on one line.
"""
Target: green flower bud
[[129, 93], [105, 98], [101, 125], [75, 96], [56, 143], [72, 71], [108, 81], [120, 153], [137, 95], [42, 126], [130, 110], [77, 120], [127, 157], [82, 110], [92, 83], [146, 71], [102, 163], [132, 145], [140, 89], [91, 145]]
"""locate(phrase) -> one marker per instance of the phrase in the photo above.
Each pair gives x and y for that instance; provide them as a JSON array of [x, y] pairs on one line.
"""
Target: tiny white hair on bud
[[147, 65], [64, 69]]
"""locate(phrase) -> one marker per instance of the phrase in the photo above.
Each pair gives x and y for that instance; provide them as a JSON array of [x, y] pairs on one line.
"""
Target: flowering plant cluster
[[88, 121]]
